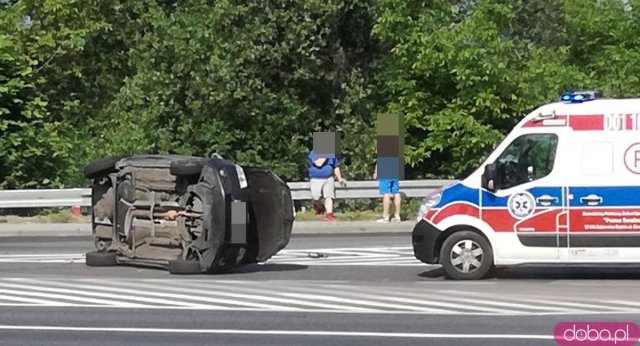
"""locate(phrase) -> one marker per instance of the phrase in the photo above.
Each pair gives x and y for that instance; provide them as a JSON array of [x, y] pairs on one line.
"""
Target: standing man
[[390, 162], [321, 171]]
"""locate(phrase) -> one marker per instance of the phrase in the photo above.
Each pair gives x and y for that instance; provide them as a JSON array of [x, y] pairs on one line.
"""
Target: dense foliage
[[253, 80]]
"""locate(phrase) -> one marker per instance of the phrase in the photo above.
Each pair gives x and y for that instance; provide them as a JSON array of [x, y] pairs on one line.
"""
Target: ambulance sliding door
[[604, 197]]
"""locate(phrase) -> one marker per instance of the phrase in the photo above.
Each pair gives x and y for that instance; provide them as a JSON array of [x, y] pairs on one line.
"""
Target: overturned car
[[186, 214]]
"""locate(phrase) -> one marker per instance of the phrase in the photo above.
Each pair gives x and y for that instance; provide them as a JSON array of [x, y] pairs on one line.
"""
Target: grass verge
[[62, 216]]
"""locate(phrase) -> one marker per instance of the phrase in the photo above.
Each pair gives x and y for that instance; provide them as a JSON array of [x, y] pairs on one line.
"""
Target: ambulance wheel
[[466, 255]]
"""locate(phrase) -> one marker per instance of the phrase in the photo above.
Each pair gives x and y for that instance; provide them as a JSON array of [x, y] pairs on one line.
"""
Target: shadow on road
[[433, 273], [573, 272], [246, 269], [273, 267], [547, 272]]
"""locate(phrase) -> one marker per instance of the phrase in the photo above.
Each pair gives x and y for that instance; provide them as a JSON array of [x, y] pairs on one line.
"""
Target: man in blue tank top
[[321, 171]]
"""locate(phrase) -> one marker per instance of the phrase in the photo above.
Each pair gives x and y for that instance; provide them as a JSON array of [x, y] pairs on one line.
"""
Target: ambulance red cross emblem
[[521, 205]]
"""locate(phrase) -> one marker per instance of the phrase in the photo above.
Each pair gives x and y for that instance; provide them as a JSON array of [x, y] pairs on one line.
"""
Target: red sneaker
[[330, 217]]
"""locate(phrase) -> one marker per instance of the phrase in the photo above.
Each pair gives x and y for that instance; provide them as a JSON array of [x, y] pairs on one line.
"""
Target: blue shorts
[[388, 186]]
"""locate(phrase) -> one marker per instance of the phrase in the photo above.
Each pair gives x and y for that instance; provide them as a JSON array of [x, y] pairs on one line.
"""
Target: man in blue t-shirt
[[321, 171], [388, 188]]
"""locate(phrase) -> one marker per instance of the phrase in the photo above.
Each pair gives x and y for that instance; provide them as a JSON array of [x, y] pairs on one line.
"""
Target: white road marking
[[622, 302], [357, 256], [74, 295], [486, 302], [62, 297], [260, 295], [314, 296], [432, 304], [317, 297], [538, 301], [422, 299], [281, 332], [141, 295], [42, 258], [30, 301]]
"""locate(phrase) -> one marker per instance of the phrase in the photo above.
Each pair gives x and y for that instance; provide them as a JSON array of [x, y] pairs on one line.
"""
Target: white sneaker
[[383, 220], [396, 220]]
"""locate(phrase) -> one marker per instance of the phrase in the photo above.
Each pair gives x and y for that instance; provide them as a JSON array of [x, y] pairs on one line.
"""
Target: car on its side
[[187, 214]]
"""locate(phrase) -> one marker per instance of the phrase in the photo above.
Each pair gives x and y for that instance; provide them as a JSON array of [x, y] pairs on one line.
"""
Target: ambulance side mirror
[[489, 177]]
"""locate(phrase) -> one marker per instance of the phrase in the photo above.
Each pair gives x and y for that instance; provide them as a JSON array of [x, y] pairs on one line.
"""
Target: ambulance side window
[[527, 158]]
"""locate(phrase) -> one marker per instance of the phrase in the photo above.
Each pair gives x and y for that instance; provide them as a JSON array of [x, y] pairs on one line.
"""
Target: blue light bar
[[580, 96]]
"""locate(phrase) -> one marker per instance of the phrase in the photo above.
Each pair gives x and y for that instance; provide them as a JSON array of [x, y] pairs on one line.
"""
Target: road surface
[[323, 289]]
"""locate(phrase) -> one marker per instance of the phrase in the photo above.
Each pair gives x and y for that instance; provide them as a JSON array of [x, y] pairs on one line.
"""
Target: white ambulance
[[562, 187]]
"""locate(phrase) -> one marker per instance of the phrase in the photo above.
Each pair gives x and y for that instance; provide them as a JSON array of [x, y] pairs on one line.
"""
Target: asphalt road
[[331, 289]]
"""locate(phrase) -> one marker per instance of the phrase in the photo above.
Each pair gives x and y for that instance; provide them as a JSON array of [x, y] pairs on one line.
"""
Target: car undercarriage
[[185, 213]]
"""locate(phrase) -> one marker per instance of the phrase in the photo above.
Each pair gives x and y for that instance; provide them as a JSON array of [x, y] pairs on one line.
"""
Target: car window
[[527, 158]]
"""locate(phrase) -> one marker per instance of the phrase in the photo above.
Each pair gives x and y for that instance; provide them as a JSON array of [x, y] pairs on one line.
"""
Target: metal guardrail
[[299, 191], [369, 189], [44, 198]]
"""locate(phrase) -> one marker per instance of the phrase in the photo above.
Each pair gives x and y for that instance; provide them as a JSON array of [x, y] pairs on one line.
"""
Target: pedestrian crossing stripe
[[289, 296], [42, 258], [364, 256]]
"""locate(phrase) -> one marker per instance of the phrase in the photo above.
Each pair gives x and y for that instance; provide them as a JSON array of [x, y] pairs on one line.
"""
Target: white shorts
[[323, 188]]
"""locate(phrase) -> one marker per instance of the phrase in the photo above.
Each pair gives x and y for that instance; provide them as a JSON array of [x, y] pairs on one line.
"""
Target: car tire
[[466, 255], [101, 167], [186, 168], [184, 267], [229, 260], [100, 259]]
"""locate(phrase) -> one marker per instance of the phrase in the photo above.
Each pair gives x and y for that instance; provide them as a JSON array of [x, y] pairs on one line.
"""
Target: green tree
[[464, 72], [32, 151], [254, 79], [250, 80]]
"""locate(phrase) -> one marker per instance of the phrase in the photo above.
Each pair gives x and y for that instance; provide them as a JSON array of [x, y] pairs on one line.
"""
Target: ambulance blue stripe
[[489, 200], [612, 196], [459, 193]]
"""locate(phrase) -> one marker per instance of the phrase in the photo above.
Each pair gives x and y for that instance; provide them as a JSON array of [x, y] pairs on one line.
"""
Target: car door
[[529, 198]]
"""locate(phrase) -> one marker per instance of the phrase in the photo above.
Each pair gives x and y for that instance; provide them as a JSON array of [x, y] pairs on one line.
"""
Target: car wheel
[[230, 259], [101, 167], [186, 168], [466, 255], [100, 259], [184, 267], [102, 244]]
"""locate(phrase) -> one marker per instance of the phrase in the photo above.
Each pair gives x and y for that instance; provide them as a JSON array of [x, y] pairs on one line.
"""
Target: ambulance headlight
[[428, 203]]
